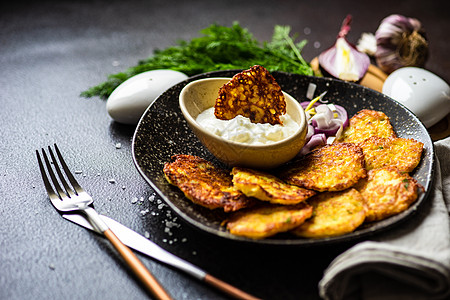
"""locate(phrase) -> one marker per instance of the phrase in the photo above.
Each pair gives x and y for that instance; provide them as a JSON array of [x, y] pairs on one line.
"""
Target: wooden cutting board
[[374, 79]]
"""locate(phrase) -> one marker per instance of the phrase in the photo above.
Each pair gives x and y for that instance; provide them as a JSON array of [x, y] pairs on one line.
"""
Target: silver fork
[[66, 199]]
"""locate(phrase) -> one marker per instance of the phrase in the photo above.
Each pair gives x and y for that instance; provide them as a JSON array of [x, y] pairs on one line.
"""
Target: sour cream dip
[[242, 130]]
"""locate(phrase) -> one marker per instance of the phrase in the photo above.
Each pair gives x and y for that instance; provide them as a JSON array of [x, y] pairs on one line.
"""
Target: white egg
[[424, 93], [129, 100]]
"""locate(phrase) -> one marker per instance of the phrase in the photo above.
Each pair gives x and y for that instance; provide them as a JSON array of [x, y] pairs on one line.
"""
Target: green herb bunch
[[219, 48]]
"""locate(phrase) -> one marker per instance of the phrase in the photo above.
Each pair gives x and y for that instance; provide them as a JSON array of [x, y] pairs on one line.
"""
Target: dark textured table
[[52, 51]]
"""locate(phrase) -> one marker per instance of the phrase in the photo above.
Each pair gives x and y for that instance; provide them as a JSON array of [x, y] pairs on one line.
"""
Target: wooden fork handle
[[227, 288], [138, 267]]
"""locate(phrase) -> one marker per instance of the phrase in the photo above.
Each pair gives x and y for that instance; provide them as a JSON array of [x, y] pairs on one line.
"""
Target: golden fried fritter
[[334, 214], [267, 220], [205, 184], [367, 123], [267, 187], [387, 192], [334, 167], [404, 154], [254, 94]]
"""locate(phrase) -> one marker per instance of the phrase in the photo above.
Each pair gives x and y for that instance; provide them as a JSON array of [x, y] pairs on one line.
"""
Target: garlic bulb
[[401, 42]]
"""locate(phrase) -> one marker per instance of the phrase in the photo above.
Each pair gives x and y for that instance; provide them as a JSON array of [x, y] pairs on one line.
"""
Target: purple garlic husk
[[401, 42]]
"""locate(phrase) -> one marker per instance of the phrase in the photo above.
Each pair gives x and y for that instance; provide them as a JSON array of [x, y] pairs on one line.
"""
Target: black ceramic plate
[[163, 132]]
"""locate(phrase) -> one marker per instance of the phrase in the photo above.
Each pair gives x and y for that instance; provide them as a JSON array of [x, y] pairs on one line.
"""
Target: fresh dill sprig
[[218, 48]]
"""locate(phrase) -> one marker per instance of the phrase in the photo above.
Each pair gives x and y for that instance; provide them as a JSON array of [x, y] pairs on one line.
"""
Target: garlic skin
[[401, 42]]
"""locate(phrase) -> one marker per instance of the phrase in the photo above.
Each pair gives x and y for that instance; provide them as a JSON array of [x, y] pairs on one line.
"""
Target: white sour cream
[[242, 130]]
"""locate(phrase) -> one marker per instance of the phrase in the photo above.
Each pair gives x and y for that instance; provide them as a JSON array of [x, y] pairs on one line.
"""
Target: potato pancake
[[404, 154], [367, 123], [334, 167], [334, 214], [254, 94], [267, 187], [387, 192], [205, 184], [267, 220]]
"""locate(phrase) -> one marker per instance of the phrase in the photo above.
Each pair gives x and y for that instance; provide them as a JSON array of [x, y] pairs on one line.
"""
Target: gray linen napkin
[[409, 262]]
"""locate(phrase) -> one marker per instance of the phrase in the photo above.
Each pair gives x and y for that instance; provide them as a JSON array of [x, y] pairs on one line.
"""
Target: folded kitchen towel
[[409, 262]]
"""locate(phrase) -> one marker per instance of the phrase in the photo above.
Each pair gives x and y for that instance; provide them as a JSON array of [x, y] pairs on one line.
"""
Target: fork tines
[[60, 192]]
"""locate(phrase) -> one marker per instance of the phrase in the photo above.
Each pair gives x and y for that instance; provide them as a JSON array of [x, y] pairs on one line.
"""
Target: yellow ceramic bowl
[[201, 94]]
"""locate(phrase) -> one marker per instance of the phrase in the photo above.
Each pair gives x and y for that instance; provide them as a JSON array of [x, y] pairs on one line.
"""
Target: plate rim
[[293, 241]]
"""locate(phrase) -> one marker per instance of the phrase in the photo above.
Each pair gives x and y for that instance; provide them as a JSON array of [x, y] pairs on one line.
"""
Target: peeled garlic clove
[[367, 43]]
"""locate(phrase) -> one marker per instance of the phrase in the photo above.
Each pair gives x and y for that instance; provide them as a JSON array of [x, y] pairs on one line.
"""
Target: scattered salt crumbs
[[169, 221]]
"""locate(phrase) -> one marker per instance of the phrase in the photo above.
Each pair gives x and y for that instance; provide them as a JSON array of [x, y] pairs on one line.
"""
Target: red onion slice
[[335, 125], [310, 132], [325, 125], [343, 60], [342, 115], [315, 141], [329, 125], [323, 116]]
